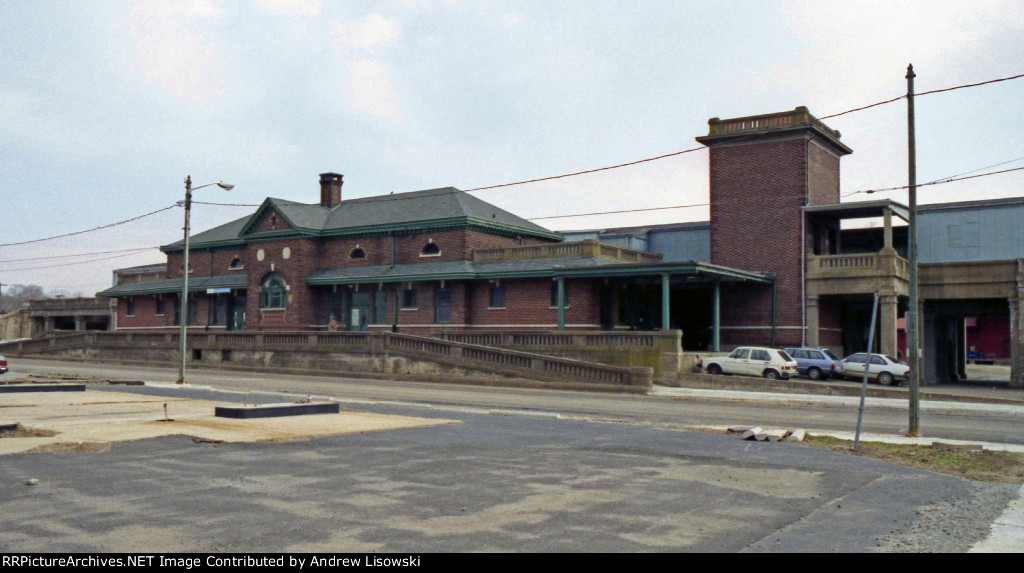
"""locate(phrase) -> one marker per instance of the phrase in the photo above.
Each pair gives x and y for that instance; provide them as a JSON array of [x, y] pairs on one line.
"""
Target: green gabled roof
[[402, 212], [225, 234], [407, 209], [298, 216], [238, 281]]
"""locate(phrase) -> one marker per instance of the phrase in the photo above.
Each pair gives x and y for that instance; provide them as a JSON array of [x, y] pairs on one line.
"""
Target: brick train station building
[[778, 263]]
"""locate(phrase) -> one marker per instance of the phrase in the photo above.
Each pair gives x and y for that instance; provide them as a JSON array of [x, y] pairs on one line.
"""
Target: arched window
[[236, 263], [272, 295], [430, 249], [357, 254]]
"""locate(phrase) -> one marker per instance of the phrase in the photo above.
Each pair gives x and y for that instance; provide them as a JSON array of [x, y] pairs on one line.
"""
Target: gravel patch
[[952, 525]]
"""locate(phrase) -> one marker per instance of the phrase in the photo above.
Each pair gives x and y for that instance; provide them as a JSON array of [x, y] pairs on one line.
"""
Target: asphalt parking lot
[[490, 482]]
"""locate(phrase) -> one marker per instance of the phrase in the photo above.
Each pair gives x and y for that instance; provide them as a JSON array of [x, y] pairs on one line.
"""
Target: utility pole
[[2, 285], [913, 316], [867, 367], [183, 313]]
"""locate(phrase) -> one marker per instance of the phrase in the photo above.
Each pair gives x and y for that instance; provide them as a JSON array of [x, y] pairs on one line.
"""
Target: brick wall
[[272, 221], [337, 253], [528, 302], [758, 188], [146, 316], [823, 175]]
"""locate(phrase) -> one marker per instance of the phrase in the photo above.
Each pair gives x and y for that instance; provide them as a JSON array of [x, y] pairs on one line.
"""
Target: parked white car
[[753, 361], [884, 369]]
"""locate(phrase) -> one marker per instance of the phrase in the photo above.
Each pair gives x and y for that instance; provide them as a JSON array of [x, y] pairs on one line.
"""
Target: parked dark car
[[816, 363]]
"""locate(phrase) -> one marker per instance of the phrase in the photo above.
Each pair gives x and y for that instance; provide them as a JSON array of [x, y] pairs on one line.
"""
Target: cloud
[[367, 32], [168, 54], [292, 7], [857, 50], [370, 90]]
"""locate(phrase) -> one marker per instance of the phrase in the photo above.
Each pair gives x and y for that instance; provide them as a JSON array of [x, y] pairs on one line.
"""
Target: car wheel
[[714, 369], [771, 374], [814, 373], [886, 379]]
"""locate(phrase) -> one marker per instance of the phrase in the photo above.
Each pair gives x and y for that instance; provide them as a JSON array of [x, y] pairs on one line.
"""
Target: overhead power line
[[91, 230], [577, 173], [702, 147], [7, 271], [137, 249], [936, 182], [590, 170], [904, 96], [951, 179]]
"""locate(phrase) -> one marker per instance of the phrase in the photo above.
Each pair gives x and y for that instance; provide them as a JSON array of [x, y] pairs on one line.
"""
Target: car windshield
[[830, 355], [785, 356]]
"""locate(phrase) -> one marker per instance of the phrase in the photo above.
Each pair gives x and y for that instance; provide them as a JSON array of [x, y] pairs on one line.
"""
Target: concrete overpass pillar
[[813, 320], [716, 318], [888, 315], [961, 348], [1016, 358]]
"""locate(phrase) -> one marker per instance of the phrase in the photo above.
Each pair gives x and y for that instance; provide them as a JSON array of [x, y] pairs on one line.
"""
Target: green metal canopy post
[[561, 303], [665, 293]]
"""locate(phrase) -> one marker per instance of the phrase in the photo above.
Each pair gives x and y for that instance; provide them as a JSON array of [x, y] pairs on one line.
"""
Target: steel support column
[[561, 303], [665, 308]]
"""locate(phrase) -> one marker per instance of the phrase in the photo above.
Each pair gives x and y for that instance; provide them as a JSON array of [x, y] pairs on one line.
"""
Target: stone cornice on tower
[[758, 127]]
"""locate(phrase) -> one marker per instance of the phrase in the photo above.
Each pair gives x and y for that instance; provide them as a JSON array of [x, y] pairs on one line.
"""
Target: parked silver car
[[884, 369]]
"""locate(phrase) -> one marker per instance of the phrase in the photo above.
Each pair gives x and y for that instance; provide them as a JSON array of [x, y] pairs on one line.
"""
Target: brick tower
[[763, 170]]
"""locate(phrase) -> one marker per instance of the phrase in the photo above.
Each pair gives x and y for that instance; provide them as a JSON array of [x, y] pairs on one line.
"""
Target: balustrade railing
[[509, 362]]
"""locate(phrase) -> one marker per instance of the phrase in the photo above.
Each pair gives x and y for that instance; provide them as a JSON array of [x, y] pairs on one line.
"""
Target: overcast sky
[[106, 106]]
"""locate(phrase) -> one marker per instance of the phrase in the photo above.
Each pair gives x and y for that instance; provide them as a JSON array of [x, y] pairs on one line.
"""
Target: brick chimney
[[330, 189]]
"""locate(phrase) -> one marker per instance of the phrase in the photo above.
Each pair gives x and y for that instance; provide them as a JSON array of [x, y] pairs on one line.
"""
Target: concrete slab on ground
[[94, 419]]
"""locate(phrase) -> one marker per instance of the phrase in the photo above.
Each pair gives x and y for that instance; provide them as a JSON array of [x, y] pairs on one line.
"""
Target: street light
[[183, 313]]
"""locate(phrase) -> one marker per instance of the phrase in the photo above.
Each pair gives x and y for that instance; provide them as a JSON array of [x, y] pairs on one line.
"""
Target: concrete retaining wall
[[342, 353]]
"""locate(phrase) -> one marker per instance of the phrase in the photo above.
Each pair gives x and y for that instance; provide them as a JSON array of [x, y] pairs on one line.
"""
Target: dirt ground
[[85, 421]]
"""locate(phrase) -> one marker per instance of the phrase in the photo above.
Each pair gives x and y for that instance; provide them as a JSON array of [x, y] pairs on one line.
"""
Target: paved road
[[488, 483], [667, 411]]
